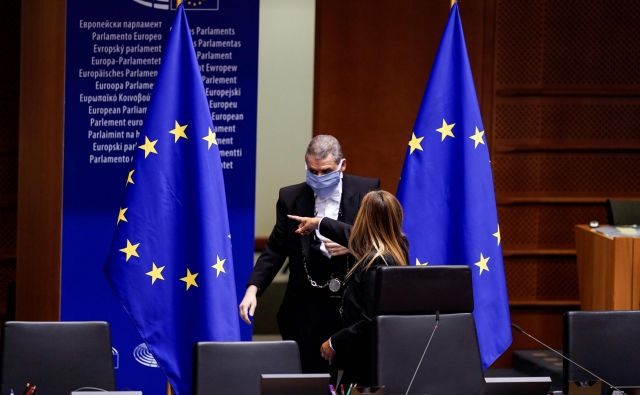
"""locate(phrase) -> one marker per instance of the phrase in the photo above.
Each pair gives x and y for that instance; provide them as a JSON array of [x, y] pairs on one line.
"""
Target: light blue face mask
[[324, 185]]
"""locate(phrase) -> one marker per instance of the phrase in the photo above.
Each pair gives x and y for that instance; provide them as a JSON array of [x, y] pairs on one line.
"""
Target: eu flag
[[447, 193], [170, 262], [202, 5]]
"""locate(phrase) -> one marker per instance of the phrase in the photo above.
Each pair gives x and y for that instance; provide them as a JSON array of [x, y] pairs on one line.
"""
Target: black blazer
[[283, 243], [353, 344], [307, 314]]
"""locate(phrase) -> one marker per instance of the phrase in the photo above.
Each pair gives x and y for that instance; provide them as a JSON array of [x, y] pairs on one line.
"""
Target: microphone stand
[[424, 352], [519, 329]]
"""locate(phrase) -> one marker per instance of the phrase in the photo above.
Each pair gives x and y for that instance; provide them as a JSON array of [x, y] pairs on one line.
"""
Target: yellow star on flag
[[414, 143], [477, 137], [482, 263], [497, 235], [130, 250], [421, 264], [148, 146], [210, 138], [219, 266], [121, 216], [190, 279], [130, 178], [446, 130], [155, 273], [178, 131]]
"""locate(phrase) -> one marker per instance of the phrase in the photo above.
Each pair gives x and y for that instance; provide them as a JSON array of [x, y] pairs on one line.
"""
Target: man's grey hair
[[323, 145]]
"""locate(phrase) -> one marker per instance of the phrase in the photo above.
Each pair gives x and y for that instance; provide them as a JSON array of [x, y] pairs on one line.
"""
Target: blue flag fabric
[[447, 193], [170, 262]]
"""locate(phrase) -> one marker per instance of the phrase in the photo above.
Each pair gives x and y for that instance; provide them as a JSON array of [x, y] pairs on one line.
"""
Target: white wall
[[285, 100]]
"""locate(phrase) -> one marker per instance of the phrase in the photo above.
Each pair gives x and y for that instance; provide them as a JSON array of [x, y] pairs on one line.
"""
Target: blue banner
[[114, 50]]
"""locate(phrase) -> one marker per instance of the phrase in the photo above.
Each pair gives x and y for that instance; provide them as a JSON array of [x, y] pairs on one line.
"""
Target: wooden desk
[[608, 270]]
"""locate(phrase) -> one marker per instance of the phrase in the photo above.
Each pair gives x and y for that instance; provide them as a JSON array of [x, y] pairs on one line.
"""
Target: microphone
[[519, 329], [424, 352]]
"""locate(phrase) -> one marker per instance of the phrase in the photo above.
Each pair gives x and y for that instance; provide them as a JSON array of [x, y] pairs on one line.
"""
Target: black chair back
[[605, 342], [623, 211], [234, 368], [451, 365], [58, 357], [406, 290], [406, 298]]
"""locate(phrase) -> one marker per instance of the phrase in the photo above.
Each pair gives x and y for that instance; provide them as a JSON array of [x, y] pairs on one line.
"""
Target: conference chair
[[406, 305], [623, 211], [605, 342], [58, 357], [235, 367]]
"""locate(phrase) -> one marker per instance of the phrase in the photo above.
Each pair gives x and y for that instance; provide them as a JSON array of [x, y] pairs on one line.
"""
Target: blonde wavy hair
[[377, 231]]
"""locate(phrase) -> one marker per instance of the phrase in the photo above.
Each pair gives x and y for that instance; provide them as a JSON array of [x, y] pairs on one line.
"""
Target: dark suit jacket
[[283, 242], [299, 200], [353, 343]]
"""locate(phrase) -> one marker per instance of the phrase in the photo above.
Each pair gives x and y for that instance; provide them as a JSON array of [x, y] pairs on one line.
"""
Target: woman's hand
[[306, 225], [335, 249], [326, 351]]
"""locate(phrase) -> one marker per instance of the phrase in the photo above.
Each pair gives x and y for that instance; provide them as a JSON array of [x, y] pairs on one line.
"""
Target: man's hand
[[335, 249], [306, 225], [326, 351], [249, 303]]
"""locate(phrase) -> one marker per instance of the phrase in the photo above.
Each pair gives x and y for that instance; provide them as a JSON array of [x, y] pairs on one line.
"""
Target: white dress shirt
[[328, 207]]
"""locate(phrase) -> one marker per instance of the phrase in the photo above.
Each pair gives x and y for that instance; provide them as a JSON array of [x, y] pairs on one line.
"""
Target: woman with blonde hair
[[376, 240]]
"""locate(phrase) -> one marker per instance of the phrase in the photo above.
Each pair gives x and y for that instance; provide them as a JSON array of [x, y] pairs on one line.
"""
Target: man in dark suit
[[309, 313]]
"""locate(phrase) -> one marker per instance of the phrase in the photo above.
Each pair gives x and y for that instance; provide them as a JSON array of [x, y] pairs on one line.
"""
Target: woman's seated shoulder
[[385, 261]]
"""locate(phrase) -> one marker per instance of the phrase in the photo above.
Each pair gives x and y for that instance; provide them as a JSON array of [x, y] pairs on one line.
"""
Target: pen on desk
[[342, 389], [32, 389], [332, 390], [26, 389], [350, 388]]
